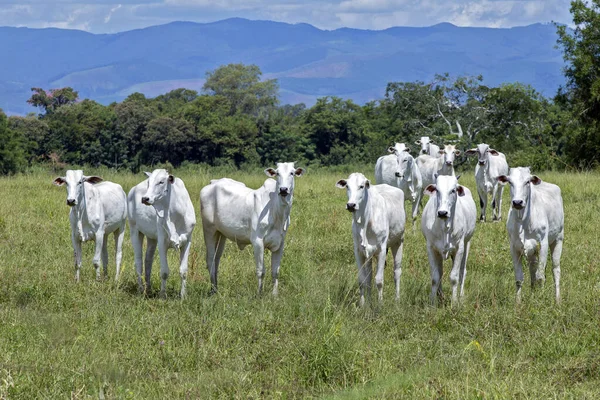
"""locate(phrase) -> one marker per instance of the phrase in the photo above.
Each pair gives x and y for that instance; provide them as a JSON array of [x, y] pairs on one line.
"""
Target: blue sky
[[108, 16]]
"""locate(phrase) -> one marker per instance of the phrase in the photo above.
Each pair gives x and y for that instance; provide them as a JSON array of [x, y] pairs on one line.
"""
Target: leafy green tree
[[581, 94], [11, 148], [53, 99], [166, 140], [34, 133], [242, 86]]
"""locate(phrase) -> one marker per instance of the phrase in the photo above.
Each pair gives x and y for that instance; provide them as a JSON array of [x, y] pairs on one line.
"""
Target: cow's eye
[[161, 182], [405, 161], [291, 173], [361, 187], [453, 190]]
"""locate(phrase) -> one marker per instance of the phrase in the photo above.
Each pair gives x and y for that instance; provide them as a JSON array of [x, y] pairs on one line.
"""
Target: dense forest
[[237, 120]]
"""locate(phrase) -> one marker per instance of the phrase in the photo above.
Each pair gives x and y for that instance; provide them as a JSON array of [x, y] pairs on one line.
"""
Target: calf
[[428, 147], [444, 165], [400, 170], [260, 217], [160, 209], [378, 221], [448, 224], [535, 226], [98, 208], [490, 165]]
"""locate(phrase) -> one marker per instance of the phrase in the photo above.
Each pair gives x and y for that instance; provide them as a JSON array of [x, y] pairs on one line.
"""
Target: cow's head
[[447, 190], [284, 175], [159, 182], [357, 186], [449, 152], [520, 180], [398, 148], [74, 179], [424, 142], [483, 152]]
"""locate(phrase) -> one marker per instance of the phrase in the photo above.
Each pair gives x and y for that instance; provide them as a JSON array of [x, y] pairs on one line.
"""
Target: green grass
[[59, 339]]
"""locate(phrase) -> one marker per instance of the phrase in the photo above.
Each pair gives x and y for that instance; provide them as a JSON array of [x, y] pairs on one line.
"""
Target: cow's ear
[[391, 149], [503, 179], [299, 171], [460, 190], [367, 184], [171, 179], [418, 142], [457, 152], [341, 184], [407, 149], [536, 180], [430, 190], [494, 152], [471, 152], [271, 172], [441, 151], [92, 179], [60, 181], [148, 174]]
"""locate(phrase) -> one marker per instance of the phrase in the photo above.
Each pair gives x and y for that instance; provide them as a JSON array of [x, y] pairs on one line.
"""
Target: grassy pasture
[[59, 339]]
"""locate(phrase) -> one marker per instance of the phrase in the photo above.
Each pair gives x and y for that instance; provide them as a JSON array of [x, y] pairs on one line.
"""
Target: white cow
[[444, 165], [535, 226], [260, 217], [98, 208], [428, 147], [378, 221], [160, 209], [400, 170], [448, 224], [490, 165]]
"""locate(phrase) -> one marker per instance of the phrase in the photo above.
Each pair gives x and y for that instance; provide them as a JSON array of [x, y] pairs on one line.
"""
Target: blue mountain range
[[308, 62]]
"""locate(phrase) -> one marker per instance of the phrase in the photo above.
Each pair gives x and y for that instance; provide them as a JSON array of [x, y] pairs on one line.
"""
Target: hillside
[[308, 62]]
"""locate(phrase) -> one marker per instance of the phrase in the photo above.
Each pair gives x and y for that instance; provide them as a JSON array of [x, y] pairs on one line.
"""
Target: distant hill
[[308, 62]]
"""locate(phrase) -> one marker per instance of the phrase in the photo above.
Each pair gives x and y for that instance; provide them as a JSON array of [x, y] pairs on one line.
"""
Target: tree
[[51, 100], [581, 94], [242, 86], [11, 148]]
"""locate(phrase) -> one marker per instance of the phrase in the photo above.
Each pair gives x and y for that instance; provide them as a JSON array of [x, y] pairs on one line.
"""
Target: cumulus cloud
[[101, 16]]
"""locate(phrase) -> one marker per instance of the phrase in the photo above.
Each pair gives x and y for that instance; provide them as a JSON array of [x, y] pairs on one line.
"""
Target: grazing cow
[[448, 224], [260, 217], [444, 165], [98, 208], [400, 170], [428, 147], [160, 209], [490, 165], [378, 221], [535, 225]]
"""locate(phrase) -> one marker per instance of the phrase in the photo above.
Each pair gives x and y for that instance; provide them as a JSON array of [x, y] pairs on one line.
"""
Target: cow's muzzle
[[442, 214], [71, 202], [481, 162], [351, 207], [399, 175], [448, 162], [517, 204], [283, 191], [146, 201]]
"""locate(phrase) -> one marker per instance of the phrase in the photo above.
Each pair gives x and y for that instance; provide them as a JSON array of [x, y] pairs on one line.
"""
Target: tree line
[[237, 120]]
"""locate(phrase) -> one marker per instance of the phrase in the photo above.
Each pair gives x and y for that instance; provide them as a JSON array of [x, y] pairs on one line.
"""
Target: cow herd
[[160, 210]]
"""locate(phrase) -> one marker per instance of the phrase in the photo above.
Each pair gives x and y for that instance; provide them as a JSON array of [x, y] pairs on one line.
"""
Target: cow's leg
[[415, 209], [148, 261], [215, 244], [184, 254], [163, 246], [457, 263], [540, 273], [556, 251], [397, 255], [259, 259], [98, 252], [137, 240], [381, 256], [77, 255], [364, 277], [463, 268], [275, 264], [105, 255], [483, 199], [497, 205], [436, 264], [517, 257], [119, 237]]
